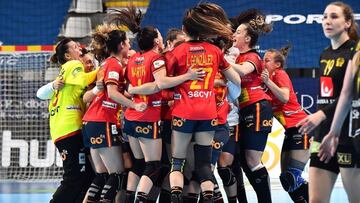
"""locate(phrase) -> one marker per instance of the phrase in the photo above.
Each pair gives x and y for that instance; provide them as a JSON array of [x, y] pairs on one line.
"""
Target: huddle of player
[[156, 122]]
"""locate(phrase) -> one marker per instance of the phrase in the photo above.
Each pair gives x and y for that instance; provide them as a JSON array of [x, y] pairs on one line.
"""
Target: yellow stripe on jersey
[[66, 107]]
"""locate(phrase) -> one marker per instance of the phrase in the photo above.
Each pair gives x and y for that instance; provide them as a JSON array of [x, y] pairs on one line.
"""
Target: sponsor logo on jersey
[[196, 49], [158, 63], [72, 107], [139, 60], [109, 104], [114, 75], [326, 87]]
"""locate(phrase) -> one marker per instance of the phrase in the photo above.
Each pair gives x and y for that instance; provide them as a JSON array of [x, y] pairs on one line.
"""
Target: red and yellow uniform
[[140, 70], [291, 113], [102, 117], [195, 100], [102, 108], [252, 89], [222, 105]]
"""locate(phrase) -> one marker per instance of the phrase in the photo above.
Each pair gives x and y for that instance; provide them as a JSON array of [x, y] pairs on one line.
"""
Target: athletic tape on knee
[[177, 164], [203, 162], [152, 170]]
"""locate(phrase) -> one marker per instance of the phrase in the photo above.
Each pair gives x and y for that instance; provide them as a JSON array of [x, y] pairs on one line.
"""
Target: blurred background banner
[[41, 22]]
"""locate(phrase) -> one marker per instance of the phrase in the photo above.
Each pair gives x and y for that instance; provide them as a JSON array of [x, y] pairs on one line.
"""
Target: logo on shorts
[[97, 140], [214, 122], [143, 130], [344, 158], [64, 154], [217, 145], [177, 122], [82, 158], [267, 123]]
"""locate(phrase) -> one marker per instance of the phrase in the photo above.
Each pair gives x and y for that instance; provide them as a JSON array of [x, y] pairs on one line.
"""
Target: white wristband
[[95, 90]]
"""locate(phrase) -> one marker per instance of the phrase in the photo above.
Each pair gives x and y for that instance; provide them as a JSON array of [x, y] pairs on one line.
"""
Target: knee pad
[[203, 162], [152, 170], [124, 178], [141, 197], [138, 167], [191, 198], [176, 194], [217, 193], [207, 196], [164, 170], [111, 187], [291, 179], [301, 194], [94, 191], [130, 196], [227, 176], [177, 164]]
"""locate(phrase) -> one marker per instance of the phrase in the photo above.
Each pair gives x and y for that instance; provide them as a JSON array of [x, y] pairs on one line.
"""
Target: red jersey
[[195, 99], [140, 70], [291, 113], [222, 105], [167, 96], [102, 108], [252, 87]]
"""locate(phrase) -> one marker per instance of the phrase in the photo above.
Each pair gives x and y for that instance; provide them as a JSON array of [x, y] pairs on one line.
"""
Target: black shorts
[[230, 146], [294, 140], [192, 126], [346, 157], [256, 123], [100, 135], [149, 130]]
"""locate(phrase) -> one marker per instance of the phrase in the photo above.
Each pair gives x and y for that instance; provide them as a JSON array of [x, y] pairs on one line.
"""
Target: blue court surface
[[40, 192]]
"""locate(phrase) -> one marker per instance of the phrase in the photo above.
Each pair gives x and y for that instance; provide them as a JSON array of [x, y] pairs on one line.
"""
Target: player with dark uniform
[[348, 100], [339, 26], [288, 111]]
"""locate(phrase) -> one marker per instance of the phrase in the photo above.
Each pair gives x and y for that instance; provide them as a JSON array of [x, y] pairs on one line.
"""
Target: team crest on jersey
[[158, 63], [326, 87], [197, 49], [139, 60], [340, 62], [114, 75], [76, 71]]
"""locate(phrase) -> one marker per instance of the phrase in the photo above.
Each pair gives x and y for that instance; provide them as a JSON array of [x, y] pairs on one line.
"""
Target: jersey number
[[143, 97], [195, 86]]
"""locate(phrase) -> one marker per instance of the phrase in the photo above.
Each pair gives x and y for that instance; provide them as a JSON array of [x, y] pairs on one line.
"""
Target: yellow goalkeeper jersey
[[66, 107]]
